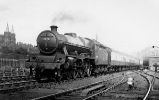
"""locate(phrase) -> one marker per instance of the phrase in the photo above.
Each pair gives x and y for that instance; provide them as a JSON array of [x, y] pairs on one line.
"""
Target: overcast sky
[[125, 25]]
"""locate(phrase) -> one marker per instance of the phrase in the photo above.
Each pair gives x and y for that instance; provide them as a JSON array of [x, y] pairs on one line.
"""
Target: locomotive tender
[[71, 56]]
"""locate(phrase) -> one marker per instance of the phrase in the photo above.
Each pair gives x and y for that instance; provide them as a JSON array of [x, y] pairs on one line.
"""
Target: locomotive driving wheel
[[70, 73]]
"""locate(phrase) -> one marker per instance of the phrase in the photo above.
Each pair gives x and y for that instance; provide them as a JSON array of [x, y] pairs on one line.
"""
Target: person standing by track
[[130, 83]]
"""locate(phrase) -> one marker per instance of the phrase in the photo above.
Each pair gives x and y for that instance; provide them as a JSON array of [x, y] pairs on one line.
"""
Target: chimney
[[53, 28]]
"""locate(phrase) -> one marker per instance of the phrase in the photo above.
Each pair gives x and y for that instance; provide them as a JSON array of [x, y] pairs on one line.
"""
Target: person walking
[[130, 83]]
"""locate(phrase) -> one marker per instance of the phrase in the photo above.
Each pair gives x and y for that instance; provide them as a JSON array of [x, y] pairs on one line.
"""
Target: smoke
[[62, 17], [69, 17], [80, 23]]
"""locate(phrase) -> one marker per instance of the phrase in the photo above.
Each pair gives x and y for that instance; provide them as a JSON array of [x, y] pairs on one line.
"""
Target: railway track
[[151, 89], [104, 89], [19, 83], [121, 92], [85, 92], [8, 87], [15, 83], [25, 91], [94, 96], [151, 82], [14, 78]]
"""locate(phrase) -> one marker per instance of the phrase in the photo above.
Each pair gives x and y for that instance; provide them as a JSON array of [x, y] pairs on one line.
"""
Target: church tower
[[7, 28], [13, 39], [9, 37]]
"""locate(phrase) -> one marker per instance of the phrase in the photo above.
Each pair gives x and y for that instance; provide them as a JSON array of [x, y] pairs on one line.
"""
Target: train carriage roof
[[124, 54]]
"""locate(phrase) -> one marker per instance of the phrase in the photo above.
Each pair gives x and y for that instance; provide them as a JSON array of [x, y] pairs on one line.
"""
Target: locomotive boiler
[[71, 56]]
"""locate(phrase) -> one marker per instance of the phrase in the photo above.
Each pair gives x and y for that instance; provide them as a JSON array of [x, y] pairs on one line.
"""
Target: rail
[[104, 91], [53, 96], [151, 82]]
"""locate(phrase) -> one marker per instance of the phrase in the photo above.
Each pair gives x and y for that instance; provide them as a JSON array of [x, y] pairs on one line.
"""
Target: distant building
[[151, 62], [150, 57], [24, 45], [8, 38], [29, 47], [149, 52]]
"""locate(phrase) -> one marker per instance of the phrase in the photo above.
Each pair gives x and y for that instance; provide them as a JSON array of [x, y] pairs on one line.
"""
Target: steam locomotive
[[72, 56]]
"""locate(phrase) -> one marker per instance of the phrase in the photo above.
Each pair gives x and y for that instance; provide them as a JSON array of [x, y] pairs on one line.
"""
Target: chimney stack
[[53, 28]]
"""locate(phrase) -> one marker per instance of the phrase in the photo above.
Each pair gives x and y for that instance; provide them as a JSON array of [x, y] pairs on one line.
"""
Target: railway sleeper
[[17, 86], [90, 90], [70, 98], [13, 89]]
